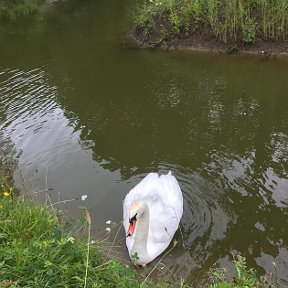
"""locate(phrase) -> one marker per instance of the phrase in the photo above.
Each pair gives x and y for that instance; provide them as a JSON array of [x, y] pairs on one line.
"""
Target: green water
[[96, 116]]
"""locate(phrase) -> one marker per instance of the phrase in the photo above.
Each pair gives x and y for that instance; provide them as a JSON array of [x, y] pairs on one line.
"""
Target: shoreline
[[204, 41]]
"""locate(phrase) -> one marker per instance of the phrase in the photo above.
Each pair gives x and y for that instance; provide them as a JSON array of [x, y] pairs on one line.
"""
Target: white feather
[[164, 199]]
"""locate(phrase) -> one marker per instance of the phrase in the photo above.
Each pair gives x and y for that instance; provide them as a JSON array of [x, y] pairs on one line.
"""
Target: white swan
[[151, 214]]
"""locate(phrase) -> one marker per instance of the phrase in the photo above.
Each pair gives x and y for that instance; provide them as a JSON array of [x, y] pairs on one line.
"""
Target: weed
[[249, 30], [244, 277], [18, 8], [135, 258], [194, 9], [234, 20], [175, 21], [163, 33]]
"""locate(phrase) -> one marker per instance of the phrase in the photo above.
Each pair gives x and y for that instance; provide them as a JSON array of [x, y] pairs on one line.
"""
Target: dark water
[[99, 116]]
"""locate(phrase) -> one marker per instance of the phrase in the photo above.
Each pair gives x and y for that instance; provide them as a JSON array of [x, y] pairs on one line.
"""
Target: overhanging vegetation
[[227, 20]]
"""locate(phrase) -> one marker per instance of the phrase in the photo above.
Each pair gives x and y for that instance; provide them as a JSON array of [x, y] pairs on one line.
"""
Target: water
[[96, 116]]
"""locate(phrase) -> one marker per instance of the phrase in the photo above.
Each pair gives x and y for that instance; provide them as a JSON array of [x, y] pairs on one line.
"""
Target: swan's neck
[[141, 237]]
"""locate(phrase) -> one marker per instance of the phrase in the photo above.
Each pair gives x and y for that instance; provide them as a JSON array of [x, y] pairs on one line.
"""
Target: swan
[[151, 214]]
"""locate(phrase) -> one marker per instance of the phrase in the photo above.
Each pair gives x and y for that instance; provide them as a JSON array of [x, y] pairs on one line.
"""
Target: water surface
[[96, 116]]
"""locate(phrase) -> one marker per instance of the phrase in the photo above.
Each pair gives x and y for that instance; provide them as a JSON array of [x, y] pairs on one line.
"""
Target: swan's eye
[[133, 218]]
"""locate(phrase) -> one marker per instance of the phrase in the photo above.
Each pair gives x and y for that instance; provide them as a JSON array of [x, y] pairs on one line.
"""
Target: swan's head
[[136, 209]]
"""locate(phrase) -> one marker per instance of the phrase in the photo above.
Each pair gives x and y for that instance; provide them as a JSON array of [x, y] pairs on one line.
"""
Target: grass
[[227, 20], [18, 8], [37, 250]]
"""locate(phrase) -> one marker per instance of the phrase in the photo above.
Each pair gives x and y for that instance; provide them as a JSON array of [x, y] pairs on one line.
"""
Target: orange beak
[[131, 228]]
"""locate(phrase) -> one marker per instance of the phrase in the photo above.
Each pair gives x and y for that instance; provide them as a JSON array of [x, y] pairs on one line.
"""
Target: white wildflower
[[71, 239], [84, 197], [108, 229], [108, 222], [92, 242]]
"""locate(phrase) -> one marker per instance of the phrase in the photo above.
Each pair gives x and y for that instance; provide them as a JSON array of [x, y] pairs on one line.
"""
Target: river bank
[[250, 27], [205, 43], [40, 248]]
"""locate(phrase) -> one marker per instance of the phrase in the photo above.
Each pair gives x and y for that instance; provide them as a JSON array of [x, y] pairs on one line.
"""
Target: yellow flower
[[6, 193]]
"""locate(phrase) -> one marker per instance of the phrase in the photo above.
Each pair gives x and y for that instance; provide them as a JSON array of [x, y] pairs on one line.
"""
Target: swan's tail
[[169, 173]]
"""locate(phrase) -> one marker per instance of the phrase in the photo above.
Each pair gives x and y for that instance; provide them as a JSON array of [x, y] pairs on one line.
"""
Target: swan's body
[[151, 214]]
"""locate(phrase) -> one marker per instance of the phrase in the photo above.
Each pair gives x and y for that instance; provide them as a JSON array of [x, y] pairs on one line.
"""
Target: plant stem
[[88, 218]]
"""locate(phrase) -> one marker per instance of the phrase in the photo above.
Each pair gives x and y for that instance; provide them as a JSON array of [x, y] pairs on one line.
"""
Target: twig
[[174, 245], [72, 232], [184, 246], [46, 188], [25, 186], [88, 219], [37, 192], [64, 201], [276, 276], [156, 43], [113, 242]]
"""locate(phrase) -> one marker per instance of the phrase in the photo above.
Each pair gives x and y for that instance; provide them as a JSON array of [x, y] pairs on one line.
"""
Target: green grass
[[36, 251], [227, 20], [13, 9]]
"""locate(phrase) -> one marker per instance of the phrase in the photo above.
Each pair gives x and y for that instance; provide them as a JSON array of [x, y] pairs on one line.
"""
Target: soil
[[202, 39]]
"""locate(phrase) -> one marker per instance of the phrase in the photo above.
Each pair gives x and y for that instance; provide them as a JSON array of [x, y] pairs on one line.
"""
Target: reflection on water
[[101, 116]]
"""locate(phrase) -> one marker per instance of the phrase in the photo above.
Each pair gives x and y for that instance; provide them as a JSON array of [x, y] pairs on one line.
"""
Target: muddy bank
[[203, 39]]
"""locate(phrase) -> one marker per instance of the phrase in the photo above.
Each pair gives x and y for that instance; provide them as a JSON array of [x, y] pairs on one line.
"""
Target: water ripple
[[26, 96], [204, 222]]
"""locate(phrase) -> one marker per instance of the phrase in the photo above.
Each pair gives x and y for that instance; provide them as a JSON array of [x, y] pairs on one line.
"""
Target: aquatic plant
[[244, 276]]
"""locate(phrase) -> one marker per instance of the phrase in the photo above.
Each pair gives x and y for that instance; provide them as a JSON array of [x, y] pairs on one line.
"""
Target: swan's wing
[[171, 194], [161, 230], [165, 214], [145, 188]]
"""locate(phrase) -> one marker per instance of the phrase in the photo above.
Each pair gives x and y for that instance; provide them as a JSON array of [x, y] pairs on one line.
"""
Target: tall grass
[[228, 20], [18, 8]]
